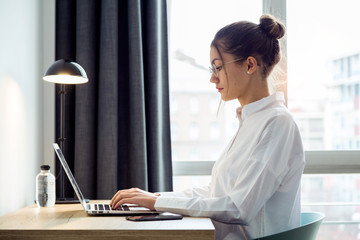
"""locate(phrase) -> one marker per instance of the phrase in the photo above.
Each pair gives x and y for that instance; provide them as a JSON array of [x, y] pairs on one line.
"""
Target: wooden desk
[[69, 221]]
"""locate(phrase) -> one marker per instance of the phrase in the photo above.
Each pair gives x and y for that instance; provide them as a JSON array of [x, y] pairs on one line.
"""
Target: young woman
[[255, 186]]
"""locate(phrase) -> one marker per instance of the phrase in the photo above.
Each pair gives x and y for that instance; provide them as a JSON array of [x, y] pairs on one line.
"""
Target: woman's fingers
[[119, 196], [133, 196]]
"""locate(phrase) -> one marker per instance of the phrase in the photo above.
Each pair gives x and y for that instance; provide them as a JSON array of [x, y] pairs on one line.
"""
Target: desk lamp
[[64, 72]]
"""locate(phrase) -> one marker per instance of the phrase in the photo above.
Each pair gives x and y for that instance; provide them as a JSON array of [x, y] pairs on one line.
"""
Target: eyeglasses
[[216, 69]]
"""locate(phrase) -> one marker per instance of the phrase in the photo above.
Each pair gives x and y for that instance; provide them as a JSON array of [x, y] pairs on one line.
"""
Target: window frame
[[317, 162]]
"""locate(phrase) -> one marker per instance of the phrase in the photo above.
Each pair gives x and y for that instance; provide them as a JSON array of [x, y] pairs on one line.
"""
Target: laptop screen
[[69, 174]]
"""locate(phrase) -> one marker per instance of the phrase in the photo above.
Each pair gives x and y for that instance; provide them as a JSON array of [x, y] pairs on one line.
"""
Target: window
[[323, 81], [213, 104], [194, 105], [173, 105], [324, 98], [174, 131], [194, 155], [193, 131], [214, 131]]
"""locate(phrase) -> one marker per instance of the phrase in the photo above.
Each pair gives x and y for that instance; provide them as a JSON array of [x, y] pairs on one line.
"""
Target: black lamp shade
[[66, 72]]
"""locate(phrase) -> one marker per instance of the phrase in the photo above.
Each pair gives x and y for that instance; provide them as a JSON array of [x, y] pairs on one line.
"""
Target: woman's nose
[[213, 78]]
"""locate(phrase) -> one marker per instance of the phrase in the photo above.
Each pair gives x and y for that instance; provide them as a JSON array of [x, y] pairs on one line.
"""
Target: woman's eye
[[218, 68]]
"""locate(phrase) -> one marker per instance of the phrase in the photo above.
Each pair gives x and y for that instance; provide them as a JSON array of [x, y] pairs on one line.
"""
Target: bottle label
[[45, 191]]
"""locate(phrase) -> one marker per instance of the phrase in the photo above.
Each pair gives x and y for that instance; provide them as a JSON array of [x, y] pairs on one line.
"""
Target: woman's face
[[232, 81]]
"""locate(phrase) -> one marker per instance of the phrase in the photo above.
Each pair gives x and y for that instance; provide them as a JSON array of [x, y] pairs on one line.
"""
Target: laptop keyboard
[[107, 207]]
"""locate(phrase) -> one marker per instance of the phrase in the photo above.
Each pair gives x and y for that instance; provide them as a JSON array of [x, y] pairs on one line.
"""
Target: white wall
[[48, 104], [26, 102]]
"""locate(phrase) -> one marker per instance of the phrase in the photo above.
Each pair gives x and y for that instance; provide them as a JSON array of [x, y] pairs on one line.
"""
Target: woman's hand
[[134, 196]]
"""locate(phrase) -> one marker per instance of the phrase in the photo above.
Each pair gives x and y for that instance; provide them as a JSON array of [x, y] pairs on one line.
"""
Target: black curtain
[[117, 125]]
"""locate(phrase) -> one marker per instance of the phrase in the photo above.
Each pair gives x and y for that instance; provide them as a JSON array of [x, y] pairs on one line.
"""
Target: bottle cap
[[45, 167]]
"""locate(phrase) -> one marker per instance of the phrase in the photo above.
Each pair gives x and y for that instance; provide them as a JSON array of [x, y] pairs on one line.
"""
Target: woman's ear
[[251, 65]]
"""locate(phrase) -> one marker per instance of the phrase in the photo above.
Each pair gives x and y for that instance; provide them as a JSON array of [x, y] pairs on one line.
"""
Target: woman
[[255, 186]]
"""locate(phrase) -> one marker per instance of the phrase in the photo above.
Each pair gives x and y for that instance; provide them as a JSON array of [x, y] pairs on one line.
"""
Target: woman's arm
[[147, 199]]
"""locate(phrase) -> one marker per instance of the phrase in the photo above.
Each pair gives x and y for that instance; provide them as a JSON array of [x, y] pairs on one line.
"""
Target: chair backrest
[[310, 224]]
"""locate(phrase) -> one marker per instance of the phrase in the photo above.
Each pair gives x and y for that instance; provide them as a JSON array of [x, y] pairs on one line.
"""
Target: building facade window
[[194, 131], [214, 131], [194, 105]]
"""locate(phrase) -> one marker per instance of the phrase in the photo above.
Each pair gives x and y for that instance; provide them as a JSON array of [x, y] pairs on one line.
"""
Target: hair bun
[[271, 26]]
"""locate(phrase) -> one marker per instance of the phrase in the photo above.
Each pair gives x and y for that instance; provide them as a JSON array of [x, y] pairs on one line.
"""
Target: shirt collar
[[247, 110]]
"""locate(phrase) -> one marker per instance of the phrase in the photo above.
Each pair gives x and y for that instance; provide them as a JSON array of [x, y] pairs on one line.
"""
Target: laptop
[[99, 208]]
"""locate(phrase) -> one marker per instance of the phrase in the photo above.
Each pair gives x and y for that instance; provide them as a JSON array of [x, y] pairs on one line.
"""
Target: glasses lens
[[214, 70]]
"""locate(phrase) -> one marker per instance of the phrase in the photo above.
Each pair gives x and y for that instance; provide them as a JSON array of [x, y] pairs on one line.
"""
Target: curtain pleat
[[107, 100], [136, 157], [156, 79], [86, 103], [65, 37]]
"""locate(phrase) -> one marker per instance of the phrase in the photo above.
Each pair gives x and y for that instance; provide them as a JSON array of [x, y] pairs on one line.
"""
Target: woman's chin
[[226, 98]]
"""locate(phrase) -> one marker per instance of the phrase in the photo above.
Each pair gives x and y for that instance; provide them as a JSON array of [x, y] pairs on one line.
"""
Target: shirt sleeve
[[189, 193], [278, 152]]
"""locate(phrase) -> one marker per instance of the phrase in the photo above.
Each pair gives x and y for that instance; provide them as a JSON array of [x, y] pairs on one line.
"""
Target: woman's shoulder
[[281, 115]]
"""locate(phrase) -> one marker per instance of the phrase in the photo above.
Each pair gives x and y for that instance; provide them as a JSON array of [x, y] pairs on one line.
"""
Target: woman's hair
[[243, 39]]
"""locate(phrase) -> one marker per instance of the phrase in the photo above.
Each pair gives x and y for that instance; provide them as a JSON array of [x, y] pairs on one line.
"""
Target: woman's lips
[[219, 89]]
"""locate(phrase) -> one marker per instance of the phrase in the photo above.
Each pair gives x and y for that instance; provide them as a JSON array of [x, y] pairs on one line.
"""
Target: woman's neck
[[255, 93]]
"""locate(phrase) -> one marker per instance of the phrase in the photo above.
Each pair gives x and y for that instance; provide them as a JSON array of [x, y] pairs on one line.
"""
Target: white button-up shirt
[[255, 186]]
